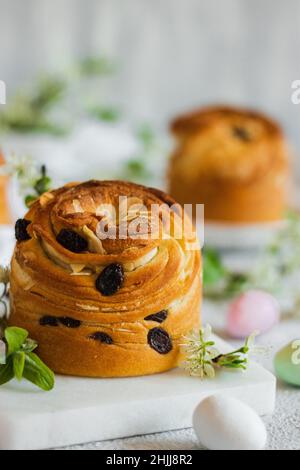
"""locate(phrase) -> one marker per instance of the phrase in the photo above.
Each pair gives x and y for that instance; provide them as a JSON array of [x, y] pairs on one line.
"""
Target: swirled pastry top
[[80, 208], [227, 143], [106, 307]]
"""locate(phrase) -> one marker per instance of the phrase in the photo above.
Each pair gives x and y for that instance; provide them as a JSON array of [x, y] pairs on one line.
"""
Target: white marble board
[[82, 410]]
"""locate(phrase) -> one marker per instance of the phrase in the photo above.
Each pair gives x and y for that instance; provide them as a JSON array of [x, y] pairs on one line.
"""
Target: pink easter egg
[[253, 310]]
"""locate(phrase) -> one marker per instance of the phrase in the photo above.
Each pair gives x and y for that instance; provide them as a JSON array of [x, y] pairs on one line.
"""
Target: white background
[[172, 54]]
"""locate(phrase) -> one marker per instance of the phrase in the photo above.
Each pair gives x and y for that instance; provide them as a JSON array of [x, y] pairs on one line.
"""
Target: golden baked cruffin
[[105, 307], [234, 161], [4, 209]]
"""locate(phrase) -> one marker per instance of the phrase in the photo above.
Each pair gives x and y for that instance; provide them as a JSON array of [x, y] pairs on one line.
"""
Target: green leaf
[[37, 372], [48, 91], [136, 169], [96, 66], [27, 112], [6, 371], [42, 185], [105, 114], [22, 362], [29, 345], [236, 283], [19, 363], [146, 135], [15, 337], [292, 215], [29, 199], [213, 268]]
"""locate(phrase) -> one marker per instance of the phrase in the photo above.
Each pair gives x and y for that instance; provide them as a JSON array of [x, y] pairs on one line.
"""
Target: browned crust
[[196, 120], [40, 286], [236, 180]]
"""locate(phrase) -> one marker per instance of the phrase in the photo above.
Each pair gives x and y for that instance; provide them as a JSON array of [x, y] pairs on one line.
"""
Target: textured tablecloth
[[283, 431], [283, 427]]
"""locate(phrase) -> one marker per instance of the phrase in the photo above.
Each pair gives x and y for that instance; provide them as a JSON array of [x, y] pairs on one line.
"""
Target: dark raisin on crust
[[70, 322], [110, 280], [72, 241], [102, 337], [159, 317], [160, 341], [241, 133], [21, 230], [48, 320]]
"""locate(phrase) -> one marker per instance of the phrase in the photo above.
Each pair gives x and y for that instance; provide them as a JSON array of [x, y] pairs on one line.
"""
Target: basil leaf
[[37, 372], [19, 363], [213, 268], [7, 371], [29, 345], [15, 338]]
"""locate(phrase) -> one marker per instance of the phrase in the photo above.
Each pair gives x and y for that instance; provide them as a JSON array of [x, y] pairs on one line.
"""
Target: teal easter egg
[[287, 363]]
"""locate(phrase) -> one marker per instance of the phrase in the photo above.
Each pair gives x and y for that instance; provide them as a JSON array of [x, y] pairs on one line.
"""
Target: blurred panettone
[[234, 161], [4, 210]]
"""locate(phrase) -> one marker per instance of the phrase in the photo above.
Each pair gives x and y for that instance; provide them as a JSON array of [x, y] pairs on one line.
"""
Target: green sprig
[[219, 282], [17, 359], [96, 66], [21, 362], [28, 111], [202, 358], [33, 181], [138, 167], [37, 109], [281, 257], [105, 114], [40, 186]]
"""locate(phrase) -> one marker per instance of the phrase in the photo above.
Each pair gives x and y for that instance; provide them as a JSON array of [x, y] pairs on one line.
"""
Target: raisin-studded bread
[[234, 161], [104, 307]]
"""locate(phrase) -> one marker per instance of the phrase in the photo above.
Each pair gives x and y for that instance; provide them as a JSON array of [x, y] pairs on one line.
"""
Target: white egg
[[224, 423]]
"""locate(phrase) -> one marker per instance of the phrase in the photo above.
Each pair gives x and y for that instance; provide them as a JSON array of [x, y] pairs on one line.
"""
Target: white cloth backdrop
[[172, 54]]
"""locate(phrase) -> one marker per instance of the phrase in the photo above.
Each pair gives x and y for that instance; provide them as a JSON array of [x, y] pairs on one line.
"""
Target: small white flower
[[255, 349], [23, 168], [200, 352], [17, 165], [209, 371], [251, 339], [202, 357], [2, 352], [213, 352], [206, 332]]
